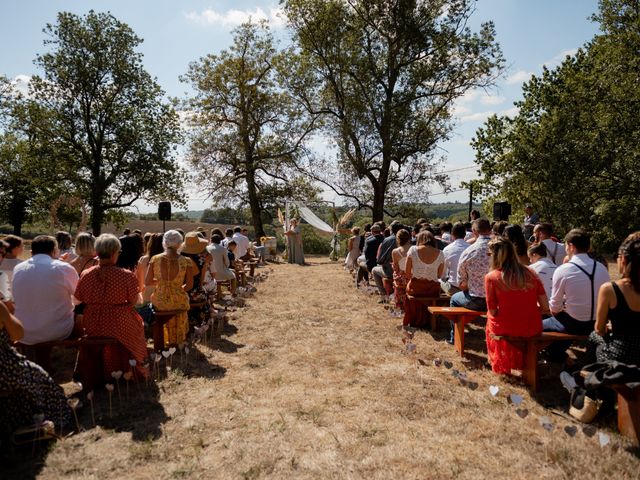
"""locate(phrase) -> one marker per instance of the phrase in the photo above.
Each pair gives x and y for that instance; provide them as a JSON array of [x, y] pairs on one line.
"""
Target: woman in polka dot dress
[[25, 388], [110, 294]]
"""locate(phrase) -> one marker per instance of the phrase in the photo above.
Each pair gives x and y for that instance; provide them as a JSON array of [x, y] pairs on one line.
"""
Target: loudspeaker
[[501, 211], [164, 211]]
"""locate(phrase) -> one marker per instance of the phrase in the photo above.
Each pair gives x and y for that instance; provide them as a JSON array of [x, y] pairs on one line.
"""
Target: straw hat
[[194, 244]]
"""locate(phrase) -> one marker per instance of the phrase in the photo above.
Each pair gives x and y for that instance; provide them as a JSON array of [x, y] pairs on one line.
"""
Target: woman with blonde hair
[[424, 268], [86, 253], [515, 302], [399, 263], [172, 274]]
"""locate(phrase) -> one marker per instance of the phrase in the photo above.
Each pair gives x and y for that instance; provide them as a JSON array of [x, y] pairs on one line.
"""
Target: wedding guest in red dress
[[110, 294], [515, 301]]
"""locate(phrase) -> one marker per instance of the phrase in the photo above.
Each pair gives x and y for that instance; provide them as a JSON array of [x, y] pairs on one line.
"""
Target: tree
[[246, 128], [573, 148], [387, 74], [102, 117]]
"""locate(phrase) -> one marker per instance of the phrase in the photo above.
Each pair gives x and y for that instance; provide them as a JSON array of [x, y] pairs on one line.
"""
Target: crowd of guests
[[525, 284], [102, 287]]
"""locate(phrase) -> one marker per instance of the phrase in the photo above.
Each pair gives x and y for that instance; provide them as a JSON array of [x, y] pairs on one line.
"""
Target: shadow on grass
[[23, 462]]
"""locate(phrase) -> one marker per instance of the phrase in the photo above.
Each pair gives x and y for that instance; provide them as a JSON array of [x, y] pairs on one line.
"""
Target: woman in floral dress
[[172, 274], [25, 388], [195, 248]]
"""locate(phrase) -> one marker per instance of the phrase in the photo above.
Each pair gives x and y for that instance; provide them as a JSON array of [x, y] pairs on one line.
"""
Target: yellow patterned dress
[[169, 295]]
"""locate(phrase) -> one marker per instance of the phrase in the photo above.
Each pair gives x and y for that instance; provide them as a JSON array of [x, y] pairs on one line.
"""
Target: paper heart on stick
[[109, 387], [522, 412], [604, 439], [515, 399], [117, 374], [90, 396], [165, 353], [493, 390], [571, 430], [546, 423], [437, 362], [132, 362], [158, 358], [589, 430], [186, 350], [73, 403], [172, 350], [128, 376], [448, 364]]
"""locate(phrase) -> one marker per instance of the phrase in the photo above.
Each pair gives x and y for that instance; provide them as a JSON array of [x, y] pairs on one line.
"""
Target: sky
[[175, 33]]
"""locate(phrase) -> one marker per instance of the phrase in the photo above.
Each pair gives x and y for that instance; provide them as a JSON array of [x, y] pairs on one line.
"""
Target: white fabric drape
[[311, 218]]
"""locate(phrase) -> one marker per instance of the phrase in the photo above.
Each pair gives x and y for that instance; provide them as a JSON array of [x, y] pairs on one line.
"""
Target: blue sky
[[531, 33]]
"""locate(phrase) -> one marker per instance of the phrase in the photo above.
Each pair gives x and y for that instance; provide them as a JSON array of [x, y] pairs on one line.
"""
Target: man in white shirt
[[43, 291], [452, 253], [555, 251], [228, 237], [242, 244], [542, 265], [574, 292]]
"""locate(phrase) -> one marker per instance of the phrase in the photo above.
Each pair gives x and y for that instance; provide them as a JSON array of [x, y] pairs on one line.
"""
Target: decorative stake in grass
[[117, 376], [90, 398], [181, 346], [128, 376], [109, 387], [157, 364], [38, 419], [73, 403], [172, 350], [133, 364]]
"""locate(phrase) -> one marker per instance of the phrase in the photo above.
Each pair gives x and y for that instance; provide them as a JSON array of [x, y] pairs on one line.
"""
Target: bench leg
[[158, 336], [530, 368], [629, 413], [458, 332]]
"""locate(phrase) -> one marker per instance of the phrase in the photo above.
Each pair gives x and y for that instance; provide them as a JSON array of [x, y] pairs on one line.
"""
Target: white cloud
[[558, 59], [510, 112], [488, 99], [476, 117], [233, 18], [518, 77]]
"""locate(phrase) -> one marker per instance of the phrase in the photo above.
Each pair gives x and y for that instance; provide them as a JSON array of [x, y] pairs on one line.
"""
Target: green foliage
[[247, 130], [101, 117], [385, 75], [573, 151]]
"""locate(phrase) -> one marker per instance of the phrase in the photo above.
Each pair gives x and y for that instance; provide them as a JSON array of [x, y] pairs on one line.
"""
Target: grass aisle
[[313, 384]]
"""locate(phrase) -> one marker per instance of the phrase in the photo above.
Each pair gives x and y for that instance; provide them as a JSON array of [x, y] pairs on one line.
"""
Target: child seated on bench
[[513, 294]]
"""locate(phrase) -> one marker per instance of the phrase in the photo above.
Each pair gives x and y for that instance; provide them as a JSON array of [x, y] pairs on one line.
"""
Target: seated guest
[[231, 254], [65, 247], [515, 235], [472, 267], [109, 294], [542, 265], [513, 294], [619, 303], [353, 249], [425, 265], [152, 248], [242, 244], [543, 233], [5, 286], [384, 269], [228, 237], [27, 389], [172, 274], [195, 248], [85, 251], [452, 253], [132, 250], [14, 248], [445, 229], [399, 262], [531, 219], [218, 263], [574, 292], [370, 253], [497, 229], [43, 291], [365, 234]]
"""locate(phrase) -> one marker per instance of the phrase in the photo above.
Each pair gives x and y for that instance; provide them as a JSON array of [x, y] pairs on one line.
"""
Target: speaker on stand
[[501, 211], [164, 213]]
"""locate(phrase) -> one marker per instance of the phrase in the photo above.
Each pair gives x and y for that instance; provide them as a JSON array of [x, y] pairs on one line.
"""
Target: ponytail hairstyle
[[630, 251], [503, 257], [514, 233]]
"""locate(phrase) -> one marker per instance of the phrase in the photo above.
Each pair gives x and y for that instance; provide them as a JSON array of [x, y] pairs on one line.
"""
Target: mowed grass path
[[314, 384]]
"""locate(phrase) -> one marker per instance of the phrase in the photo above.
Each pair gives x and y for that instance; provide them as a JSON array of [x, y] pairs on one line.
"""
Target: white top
[[6, 267], [452, 254], [571, 287], [544, 268], [446, 237], [468, 236], [5, 293], [242, 244], [555, 250], [42, 290], [225, 241], [426, 271]]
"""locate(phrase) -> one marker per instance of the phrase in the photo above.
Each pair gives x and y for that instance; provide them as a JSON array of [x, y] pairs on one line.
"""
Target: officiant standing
[[294, 243]]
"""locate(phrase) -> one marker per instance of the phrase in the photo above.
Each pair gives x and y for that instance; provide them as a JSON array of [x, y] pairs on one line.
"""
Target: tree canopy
[[573, 150], [386, 75]]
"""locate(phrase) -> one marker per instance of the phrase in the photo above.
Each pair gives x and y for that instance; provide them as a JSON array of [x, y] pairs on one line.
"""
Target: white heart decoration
[[117, 374], [73, 403], [186, 350], [165, 353], [493, 390], [158, 358], [172, 350], [109, 386], [604, 439], [132, 362], [516, 399], [90, 395]]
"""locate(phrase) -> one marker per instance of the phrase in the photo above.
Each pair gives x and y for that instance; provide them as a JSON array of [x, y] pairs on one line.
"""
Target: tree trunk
[[17, 215], [378, 202], [97, 212], [254, 205]]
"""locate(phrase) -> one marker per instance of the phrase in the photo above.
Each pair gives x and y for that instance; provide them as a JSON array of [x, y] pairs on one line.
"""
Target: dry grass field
[[310, 380]]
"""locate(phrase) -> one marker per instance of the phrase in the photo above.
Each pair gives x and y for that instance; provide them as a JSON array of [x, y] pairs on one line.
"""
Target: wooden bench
[[530, 347], [628, 412], [460, 316], [162, 317], [441, 301], [40, 353]]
